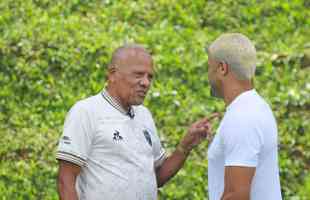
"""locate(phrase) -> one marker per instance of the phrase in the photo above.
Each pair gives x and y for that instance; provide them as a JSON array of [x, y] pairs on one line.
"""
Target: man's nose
[[145, 81]]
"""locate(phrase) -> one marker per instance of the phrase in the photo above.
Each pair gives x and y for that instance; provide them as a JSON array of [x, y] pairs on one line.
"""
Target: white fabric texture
[[247, 137], [117, 154]]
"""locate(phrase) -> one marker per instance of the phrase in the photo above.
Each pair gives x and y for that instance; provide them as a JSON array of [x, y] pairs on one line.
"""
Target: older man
[[109, 148], [243, 157]]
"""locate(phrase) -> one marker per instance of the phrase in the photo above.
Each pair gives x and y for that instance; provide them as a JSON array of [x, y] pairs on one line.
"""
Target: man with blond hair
[[243, 156]]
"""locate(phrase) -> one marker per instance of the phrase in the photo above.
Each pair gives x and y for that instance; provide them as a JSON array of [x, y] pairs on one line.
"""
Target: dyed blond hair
[[237, 51]]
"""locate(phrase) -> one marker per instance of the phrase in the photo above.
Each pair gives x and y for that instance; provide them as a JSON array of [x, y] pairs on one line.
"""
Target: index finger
[[211, 117], [214, 115], [207, 120]]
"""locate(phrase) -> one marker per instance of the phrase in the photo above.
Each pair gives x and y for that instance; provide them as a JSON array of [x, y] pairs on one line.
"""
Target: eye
[[150, 77], [138, 74]]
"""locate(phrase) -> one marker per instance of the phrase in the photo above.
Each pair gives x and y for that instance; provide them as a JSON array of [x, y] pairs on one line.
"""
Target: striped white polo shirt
[[117, 151]]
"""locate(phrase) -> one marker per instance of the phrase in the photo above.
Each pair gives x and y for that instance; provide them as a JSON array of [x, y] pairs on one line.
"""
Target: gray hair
[[237, 51]]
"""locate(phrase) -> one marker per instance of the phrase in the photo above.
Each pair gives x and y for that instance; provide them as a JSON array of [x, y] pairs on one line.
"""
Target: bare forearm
[[67, 191], [233, 196], [242, 194], [66, 180], [195, 135], [171, 166]]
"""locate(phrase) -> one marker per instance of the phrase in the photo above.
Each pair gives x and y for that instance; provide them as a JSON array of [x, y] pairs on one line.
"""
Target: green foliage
[[53, 53]]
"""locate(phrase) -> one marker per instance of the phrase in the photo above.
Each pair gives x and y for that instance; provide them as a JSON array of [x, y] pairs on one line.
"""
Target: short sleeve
[[242, 142], [159, 152], [75, 142]]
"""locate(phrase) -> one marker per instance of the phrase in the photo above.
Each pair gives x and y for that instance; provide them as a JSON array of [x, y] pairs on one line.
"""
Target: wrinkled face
[[213, 78], [133, 79]]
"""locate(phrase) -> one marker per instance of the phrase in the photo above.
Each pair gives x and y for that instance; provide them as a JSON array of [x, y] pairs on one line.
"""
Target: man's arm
[[195, 135], [66, 180], [237, 183], [170, 166]]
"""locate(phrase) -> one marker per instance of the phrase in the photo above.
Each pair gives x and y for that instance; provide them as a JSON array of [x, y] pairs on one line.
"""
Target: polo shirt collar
[[113, 102]]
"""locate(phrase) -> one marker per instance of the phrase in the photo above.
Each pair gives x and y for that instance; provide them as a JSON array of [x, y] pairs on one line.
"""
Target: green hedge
[[53, 53]]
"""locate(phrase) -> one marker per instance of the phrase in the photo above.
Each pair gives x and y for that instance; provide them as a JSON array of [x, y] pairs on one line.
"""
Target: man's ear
[[224, 68], [111, 73], [111, 69]]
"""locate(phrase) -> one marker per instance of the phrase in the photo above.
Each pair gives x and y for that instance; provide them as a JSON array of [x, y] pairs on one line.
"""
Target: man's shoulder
[[251, 108], [245, 117], [248, 116], [141, 109], [87, 104]]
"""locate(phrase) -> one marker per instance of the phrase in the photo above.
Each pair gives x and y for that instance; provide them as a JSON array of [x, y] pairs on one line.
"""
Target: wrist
[[182, 149]]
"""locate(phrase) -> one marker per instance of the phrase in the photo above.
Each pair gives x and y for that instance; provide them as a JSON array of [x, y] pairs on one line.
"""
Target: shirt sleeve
[[159, 152], [75, 142], [242, 142]]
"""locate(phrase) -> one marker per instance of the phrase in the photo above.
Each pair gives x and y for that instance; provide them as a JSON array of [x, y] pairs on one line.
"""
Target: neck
[[233, 90], [113, 93]]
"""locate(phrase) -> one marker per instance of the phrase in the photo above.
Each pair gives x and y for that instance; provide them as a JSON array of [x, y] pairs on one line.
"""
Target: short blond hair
[[237, 51]]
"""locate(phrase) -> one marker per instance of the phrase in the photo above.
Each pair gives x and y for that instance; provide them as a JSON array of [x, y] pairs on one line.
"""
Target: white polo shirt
[[247, 136], [117, 152]]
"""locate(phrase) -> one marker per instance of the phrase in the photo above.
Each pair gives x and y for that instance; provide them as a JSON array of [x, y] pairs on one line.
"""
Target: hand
[[197, 132]]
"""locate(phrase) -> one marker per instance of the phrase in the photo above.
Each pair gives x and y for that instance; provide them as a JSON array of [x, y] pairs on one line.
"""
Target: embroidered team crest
[[147, 137]]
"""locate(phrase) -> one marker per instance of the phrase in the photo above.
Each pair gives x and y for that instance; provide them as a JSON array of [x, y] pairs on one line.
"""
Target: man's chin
[[138, 101]]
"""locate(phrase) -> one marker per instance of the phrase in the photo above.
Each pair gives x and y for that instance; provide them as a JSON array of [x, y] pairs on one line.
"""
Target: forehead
[[138, 61], [138, 68]]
